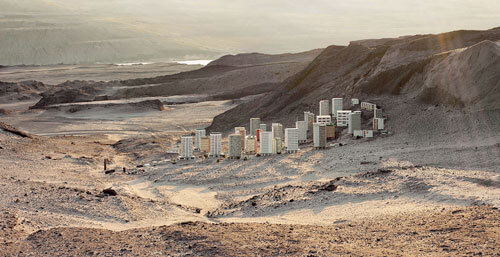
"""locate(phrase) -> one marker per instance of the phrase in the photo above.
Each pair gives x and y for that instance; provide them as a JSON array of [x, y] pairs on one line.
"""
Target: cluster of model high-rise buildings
[[266, 141]]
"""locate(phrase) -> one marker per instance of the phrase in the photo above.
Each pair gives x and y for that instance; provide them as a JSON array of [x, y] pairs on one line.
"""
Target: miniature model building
[[343, 118], [354, 122], [292, 139], [199, 133], [277, 130], [319, 135], [234, 146], [254, 125], [215, 144], [302, 130], [324, 107], [337, 105], [266, 142], [186, 147]]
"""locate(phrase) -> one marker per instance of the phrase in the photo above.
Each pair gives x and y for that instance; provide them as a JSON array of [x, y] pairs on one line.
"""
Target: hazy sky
[[274, 26]]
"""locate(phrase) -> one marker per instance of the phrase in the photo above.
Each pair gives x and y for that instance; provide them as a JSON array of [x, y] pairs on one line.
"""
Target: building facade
[[319, 135], [337, 105], [324, 107], [199, 133], [377, 113], [324, 119], [250, 145], [277, 130], [378, 124], [263, 127], [354, 122], [309, 119], [215, 144], [301, 125], [266, 142], [292, 139], [368, 106], [186, 147], [254, 125], [234, 146], [243, 132], [330, 131], [343, 118]]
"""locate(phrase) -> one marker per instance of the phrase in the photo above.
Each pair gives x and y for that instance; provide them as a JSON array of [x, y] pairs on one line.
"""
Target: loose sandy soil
[[425, 189]]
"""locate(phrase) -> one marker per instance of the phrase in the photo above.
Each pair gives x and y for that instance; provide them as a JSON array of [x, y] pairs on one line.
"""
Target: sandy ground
[[119, 122], [418, 192]]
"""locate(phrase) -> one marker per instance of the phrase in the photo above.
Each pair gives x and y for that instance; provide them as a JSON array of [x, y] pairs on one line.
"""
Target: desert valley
[[428, 186]]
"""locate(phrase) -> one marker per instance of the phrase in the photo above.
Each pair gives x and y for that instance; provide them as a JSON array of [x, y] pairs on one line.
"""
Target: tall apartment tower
[[263, 127], [292, 139], [343, 118], [354, 122], [254, 125], [199, 133], [324, 108], [319, 135], [234, 146], [243, 132], [215, 144], [277, 130], [377, 113], [301, 125], [309, 119], [186, 147], [337, 105], [266, 142]]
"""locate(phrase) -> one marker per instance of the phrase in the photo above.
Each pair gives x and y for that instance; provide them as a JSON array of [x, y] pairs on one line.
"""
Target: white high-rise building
[[215, 144], [234, 146], [277, 130], [337, 105], [319, 135], [309, 119], [324, 108], [263, 127], [199, 133], [354, 122], [323, 119], [292, 139], [254, 125], [343, 118], [266, 142], [186, 147], [301, 125]]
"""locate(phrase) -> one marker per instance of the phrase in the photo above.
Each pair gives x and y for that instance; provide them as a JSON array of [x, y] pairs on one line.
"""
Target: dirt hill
[[458, 68], [227, 80]]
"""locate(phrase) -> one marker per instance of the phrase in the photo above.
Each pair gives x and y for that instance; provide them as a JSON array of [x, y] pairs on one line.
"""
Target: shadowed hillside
[[458, 68]]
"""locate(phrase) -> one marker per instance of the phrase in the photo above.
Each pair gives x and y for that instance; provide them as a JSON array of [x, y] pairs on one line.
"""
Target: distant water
[[195, 62], [133, 63], [190, 62]]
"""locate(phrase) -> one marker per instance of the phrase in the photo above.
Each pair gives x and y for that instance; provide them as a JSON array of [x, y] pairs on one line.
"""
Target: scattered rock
[[109, 171], [110, 191]]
